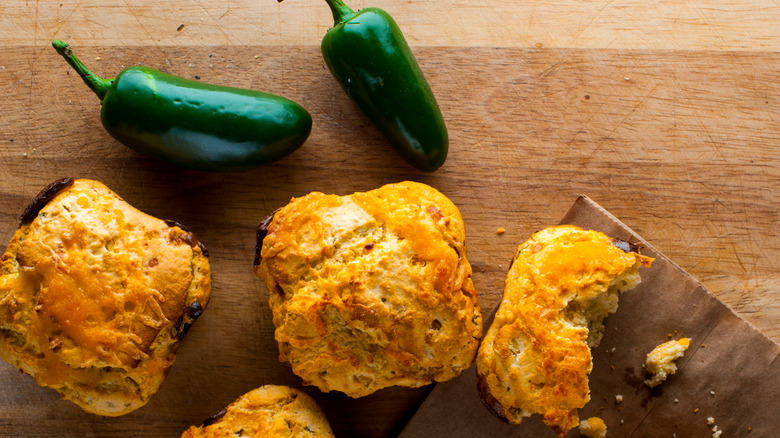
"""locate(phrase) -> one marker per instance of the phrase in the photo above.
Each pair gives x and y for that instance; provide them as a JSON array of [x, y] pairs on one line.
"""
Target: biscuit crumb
[[593, 427], [696, 411], [500, 231], [660, 361]]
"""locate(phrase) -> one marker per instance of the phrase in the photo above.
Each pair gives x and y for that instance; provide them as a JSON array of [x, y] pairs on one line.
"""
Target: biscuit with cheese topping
[[535, 357], [271, 411], [372, 289], [96, 295]]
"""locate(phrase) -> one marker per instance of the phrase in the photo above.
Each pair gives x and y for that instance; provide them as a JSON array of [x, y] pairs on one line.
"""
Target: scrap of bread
[[660, 361], [593, 427]]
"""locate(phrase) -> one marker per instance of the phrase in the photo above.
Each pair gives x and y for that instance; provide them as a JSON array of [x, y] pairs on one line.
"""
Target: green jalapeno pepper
[[193, 124], [369, 56]]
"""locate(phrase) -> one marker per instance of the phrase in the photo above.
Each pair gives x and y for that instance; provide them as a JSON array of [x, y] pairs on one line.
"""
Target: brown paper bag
[[731, 372]]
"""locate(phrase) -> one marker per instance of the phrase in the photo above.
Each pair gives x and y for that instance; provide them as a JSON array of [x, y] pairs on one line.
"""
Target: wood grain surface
[[665, 113]]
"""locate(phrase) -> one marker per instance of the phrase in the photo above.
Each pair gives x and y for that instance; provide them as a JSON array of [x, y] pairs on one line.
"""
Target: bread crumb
[[660, 361], [710, 420], [618, 398], [712, 392], [676, 401], [593, 427], [500, 231]]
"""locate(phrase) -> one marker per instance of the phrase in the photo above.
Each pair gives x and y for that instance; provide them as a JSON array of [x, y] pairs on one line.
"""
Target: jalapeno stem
[[341, 12], [97, 84]]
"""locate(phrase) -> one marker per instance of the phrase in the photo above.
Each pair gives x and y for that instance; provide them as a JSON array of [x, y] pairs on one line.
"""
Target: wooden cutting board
[[665, 113]]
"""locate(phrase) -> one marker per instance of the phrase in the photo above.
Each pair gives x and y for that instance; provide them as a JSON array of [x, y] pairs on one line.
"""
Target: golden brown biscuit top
[[372, 289], [94, 280], [535, 358], [271, 411]]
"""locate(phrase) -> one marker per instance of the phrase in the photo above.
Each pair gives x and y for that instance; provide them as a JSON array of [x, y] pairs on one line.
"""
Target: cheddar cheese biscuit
[[535, 358], [271, 411], [372, 289], [95, 296]]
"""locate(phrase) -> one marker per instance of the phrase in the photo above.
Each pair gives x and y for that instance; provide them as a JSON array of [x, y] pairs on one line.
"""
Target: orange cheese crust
[[372, 289], [535, 357], [95, 297], [271, 411]]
